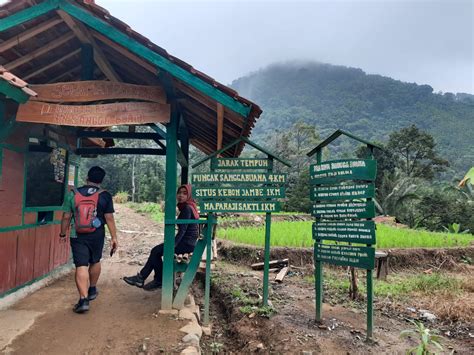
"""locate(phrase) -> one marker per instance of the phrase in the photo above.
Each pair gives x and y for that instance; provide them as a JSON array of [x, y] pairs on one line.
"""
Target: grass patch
[[298, 234], [398, 286], [151, 208]]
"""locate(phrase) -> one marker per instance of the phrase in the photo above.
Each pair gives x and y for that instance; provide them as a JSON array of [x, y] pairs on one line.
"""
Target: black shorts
[[87, 250]]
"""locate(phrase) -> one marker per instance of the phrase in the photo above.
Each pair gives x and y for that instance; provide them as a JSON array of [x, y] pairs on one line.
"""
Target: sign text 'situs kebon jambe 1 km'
[[362, 232], [238, 193], [344, 210], [342, 192], [346, 255], [350, 169]]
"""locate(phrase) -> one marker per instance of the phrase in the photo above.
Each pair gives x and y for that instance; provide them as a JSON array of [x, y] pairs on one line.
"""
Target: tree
[[415, 153], [292, 145]]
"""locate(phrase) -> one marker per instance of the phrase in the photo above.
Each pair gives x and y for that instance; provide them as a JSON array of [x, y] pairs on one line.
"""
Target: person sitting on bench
[[185, 242]]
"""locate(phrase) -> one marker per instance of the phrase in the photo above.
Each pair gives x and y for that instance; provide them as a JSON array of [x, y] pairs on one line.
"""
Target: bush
[[121, 197]]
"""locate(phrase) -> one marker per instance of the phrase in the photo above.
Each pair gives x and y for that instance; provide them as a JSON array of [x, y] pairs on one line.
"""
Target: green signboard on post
[[345, 255], [349, 169], [362, 232], [239, 193], [342, 192], [246, 185], [344, 210]]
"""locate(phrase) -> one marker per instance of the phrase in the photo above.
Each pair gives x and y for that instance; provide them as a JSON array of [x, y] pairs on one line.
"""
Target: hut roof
[[40, 42]]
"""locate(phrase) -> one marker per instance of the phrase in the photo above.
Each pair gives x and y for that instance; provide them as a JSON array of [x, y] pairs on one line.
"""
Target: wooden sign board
[[106, 115], [241, 178], [239, 193], [342, 210], [362, 232], [89, 91], [345, 255], [235, 163], [342, 192], [236, 206], [349, 169]]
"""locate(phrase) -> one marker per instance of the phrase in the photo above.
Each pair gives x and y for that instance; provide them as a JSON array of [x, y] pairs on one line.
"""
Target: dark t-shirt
[[187, 233], [104, 205]]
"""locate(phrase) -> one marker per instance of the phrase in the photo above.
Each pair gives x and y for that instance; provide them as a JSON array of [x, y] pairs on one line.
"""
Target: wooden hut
[[70, 72]]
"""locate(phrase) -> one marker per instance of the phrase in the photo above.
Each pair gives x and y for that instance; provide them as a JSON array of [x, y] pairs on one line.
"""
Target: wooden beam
[[162, 62], [28, 14], [23, 36], [50, 65], [40, 51], [239, 121], [66, 73], [220, 125], [119, 151], [118, 135], [84, 35], [144, 64]]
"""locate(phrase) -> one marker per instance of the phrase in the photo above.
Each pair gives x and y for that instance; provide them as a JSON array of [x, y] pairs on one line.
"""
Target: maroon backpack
[[85, 208]]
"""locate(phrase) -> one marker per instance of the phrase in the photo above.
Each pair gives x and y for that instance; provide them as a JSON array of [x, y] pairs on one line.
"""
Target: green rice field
[[298, 234]]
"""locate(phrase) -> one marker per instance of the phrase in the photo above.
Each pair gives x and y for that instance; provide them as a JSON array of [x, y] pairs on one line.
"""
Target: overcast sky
[[422, 41]]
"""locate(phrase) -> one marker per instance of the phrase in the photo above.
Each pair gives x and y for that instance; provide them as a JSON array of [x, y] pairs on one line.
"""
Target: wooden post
[[318, 270]]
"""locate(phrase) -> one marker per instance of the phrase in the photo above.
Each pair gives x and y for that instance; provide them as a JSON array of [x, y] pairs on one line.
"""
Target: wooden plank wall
[[30, 253], [25, 254]]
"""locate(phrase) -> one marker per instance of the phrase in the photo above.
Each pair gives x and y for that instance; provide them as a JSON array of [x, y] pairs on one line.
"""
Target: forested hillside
[[372, 106]]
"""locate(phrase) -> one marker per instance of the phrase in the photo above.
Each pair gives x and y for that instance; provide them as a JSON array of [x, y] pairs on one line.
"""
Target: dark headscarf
[[189, 201]]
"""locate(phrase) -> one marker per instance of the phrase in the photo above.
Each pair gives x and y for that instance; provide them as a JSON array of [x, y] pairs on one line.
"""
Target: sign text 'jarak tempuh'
[[242, 185], [343, 192]]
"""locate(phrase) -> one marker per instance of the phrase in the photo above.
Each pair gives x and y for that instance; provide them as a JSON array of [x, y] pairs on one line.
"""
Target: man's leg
[[94, 273], [82, 280]]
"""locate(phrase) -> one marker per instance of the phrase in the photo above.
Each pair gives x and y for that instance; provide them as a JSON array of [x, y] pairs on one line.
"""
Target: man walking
[[92, 208]]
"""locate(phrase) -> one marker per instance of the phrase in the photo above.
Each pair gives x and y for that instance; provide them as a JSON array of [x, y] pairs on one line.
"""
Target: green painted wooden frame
[[237, 141], [13, 92]]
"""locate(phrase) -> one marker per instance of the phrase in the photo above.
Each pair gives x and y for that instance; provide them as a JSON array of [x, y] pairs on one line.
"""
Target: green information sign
[[242, 178], [342, 192], [345, 255], [350, 169], [341, 210], [236, 163], [232, 193], [239, 206], [362, 232]]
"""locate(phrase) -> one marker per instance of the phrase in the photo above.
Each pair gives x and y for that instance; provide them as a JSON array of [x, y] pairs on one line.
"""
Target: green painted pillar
[[185, 149], [170, 209], [266, 265]]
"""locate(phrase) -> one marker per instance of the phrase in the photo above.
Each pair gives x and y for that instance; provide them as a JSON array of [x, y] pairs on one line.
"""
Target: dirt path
[[122, 320]]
